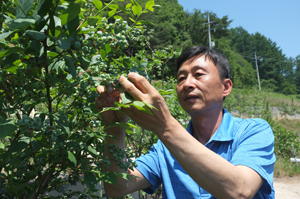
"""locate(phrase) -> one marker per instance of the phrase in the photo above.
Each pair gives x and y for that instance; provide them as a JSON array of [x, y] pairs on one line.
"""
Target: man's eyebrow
[[180, 71]]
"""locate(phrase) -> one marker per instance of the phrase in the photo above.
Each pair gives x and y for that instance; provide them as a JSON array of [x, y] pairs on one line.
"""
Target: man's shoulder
[[253, 121], [250, 126]]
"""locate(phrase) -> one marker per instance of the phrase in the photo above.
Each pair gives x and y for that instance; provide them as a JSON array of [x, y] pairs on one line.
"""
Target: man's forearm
[[118, 140], [209, 170]]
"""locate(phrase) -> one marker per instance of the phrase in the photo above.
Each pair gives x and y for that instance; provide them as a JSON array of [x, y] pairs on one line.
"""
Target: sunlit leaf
[[149, 5], [143, 22], [107, 48], [109, 177], [137, 9], [112, 12], [126, 98], [72, 158], [92, 150], [128, 5], [98, 4]]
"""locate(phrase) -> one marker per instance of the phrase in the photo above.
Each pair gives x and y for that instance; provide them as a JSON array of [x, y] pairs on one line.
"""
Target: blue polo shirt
[[248, 142]]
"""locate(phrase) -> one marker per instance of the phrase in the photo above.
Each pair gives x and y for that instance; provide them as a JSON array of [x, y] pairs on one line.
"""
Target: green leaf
[[95, 59], [39, 6], [5, 35], [150, 106], [92, 21], [134, 2], [107, 48], [125, 125], [72, 158], [70, 13], [142, 107], [128, 5], [109, 177], [98, 4], [90, 180], [93, 108], [23, 8], [92, 150], [109, 109], [126, 98], [7, 127], [1, 145], [126, 176], [137, 9], [17, 146], [130, 132], [19, 23], [143, 22], [102, 53], [25, 139], [64, 44], [112, 12], [132, 19], [67, 129], [52, 54], [71, 66], [113, 6], [10, 51], [149, 5], [117, 17], [36, 35]]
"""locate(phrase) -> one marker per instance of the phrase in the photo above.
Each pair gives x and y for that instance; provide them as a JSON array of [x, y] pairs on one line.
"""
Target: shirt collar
[[225, 130]]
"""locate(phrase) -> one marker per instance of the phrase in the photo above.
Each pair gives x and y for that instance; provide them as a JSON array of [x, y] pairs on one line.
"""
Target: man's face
[[199, 87]]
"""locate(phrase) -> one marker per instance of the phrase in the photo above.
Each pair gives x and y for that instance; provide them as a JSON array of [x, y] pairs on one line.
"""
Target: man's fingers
[[109, 88], [104, 95], [140, 82], [130, 88], [100, 89], [99, 103]]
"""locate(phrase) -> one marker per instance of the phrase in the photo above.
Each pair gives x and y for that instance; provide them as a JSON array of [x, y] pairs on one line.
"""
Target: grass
[[285, 168], [254, 97], [293, 125]]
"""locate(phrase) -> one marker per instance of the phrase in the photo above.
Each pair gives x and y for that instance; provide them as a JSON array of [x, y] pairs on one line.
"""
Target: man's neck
[[204, 127]]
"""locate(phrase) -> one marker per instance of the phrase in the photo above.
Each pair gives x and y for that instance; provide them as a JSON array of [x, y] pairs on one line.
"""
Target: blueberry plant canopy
[[53, 55]]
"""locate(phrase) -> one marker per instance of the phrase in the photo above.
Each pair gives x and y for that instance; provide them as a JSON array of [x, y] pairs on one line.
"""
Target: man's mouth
[[191, 97]]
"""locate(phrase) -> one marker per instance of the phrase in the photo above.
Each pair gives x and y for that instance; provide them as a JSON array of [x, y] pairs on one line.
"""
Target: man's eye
[[198, 74], [180, 79]]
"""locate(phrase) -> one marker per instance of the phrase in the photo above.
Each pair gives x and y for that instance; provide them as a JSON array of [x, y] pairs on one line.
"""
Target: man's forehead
[[197, 61]]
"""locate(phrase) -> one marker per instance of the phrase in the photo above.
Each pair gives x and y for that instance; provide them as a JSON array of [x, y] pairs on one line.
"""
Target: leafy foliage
[[53, 56]]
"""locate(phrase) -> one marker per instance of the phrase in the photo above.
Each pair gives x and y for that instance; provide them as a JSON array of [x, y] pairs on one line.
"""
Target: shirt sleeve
[[148, 165], [255, 149]]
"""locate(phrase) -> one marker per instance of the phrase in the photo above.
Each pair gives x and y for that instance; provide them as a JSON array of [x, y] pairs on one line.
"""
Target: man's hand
[[141, 90], [107, 98]]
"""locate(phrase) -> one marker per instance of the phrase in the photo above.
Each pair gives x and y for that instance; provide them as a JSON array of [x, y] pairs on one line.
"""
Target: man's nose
[[189, 82]]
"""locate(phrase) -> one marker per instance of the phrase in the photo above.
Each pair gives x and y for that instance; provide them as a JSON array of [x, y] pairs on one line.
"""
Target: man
[[217, 156]]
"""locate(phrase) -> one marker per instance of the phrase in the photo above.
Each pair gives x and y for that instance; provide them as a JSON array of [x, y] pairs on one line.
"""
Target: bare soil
[[287, 188]]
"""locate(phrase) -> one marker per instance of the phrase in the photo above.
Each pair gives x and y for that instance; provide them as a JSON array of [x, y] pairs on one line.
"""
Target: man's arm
[[123, 186], [209, 170]]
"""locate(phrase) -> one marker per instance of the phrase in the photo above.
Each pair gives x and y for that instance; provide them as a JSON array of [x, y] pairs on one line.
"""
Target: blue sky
[[277, 20]]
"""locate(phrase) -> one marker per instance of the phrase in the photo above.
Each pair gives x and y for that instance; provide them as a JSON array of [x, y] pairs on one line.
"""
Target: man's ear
[[227, 84]]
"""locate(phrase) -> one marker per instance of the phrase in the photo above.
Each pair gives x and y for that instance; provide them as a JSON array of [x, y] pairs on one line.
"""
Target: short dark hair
[[219, 60]]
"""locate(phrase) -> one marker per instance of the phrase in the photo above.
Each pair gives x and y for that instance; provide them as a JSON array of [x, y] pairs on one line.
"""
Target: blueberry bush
[[53, 55]]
